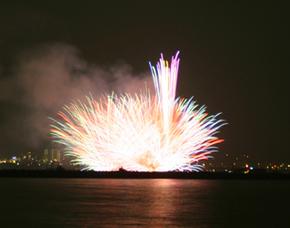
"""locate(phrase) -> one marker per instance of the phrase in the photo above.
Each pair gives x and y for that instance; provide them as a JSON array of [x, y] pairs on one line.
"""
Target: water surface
[[32, 202]]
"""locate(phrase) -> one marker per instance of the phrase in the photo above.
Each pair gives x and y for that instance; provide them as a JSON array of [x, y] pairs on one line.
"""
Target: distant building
[[45, 157], [56, 155]]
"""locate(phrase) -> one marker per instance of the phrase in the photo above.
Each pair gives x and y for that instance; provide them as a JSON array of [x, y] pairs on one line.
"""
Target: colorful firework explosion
[[143, 132]]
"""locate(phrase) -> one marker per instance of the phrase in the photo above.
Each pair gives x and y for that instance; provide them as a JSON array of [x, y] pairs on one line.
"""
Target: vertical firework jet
[[140, 132]]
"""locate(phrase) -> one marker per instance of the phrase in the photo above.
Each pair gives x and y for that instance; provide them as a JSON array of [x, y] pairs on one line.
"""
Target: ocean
[[33, 202]]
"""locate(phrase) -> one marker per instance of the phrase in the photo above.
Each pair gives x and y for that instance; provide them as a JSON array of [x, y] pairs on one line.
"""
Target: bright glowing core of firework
[[141, 132]]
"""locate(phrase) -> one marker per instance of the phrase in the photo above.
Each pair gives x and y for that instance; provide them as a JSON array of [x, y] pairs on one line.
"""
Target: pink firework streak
[[142, 132]]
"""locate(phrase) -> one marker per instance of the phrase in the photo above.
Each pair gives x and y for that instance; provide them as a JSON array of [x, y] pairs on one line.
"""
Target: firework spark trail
[[140, 132]]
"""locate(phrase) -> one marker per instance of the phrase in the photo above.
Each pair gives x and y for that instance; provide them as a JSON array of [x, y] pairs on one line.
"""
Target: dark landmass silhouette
[[60, 173]]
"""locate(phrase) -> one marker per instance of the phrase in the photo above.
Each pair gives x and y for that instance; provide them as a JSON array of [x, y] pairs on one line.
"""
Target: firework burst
[[142, 132]]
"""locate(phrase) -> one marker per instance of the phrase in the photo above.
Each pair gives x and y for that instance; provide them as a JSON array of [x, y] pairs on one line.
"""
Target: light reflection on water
[[149, 202], [139, 202]]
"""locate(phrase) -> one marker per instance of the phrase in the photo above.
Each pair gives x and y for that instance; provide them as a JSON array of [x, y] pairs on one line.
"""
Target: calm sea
[[148, 202]]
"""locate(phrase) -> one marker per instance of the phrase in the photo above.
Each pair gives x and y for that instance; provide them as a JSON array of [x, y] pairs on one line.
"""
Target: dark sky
[[234, 59]]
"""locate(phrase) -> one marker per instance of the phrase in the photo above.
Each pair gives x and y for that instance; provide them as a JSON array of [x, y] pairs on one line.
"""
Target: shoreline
[[142, 175]]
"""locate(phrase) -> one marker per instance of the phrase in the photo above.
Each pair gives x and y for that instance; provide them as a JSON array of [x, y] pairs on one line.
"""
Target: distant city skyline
[[52, 158]]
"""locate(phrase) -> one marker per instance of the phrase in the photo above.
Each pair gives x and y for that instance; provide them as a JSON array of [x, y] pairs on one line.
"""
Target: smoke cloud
[[51, 76]]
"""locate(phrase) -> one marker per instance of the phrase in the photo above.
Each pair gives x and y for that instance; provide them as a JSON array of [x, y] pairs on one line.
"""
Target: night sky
[[234, 59]]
